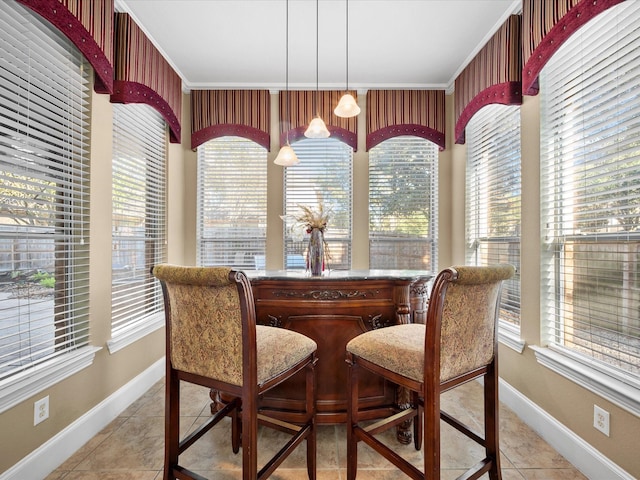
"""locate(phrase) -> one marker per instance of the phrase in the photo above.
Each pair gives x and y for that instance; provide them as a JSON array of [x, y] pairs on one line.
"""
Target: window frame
[[616, 385], [491, 144], [139, 146], [247, 160], [403, 153], [72, 231], [313, 154]]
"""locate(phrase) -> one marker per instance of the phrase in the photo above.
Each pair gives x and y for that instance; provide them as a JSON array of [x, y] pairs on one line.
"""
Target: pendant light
[[317, 128], [286, 156], [347, 106]]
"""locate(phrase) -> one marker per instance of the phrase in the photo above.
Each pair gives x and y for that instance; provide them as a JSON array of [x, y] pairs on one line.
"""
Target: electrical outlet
[[601, 420], [40, 410]]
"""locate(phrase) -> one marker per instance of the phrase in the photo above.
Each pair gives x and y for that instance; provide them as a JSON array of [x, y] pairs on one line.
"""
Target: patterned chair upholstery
[[458, 343], [212, 340]]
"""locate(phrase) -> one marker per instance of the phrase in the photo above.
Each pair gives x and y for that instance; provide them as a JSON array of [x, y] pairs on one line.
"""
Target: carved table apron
[[331, 310]]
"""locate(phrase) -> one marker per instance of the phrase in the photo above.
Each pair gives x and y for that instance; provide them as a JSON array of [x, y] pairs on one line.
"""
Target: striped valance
[[242, 113], [493, 76], [301, 111], [546, 25], [89, 26], [142, 75], [392, 113]]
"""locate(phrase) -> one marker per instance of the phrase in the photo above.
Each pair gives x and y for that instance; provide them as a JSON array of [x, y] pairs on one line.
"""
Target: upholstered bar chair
[[212, 340], [457, 344]]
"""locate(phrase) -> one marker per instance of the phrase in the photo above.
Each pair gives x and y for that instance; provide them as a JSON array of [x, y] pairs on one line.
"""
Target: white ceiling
[[393, 44]]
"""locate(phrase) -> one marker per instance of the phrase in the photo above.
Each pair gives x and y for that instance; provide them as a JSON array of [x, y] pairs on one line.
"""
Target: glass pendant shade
[[347, 107], [317, 129], [286, 157]]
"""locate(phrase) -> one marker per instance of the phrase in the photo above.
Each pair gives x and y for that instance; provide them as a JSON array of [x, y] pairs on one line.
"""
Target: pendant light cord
[[315, 100], [347, 36], [287, 72]]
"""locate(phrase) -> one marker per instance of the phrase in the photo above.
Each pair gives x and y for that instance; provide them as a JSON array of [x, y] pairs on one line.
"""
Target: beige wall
[[73, 397]]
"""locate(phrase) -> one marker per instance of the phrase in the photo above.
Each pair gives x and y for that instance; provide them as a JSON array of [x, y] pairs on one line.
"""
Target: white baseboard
[[583, 456], [49, 456]]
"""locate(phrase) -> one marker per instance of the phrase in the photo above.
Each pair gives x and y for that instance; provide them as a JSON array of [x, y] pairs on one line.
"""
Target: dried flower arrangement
[[310, 218]]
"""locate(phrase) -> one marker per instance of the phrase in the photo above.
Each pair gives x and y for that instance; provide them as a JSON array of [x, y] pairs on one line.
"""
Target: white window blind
[[403, 204], [493, 185], [590, 190], [322, 176], [44, 193], [138, 215], [232, 203]]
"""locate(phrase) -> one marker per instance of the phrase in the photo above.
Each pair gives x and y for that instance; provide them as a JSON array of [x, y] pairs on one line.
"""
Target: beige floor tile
[[511, 474], [137, 445], [525, 449], [129, 475], [91, 445], [57, 475], [131, 447], [552, 474], [153, 392]]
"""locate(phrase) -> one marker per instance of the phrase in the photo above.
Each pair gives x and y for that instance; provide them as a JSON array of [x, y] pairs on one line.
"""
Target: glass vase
[[315, 259]]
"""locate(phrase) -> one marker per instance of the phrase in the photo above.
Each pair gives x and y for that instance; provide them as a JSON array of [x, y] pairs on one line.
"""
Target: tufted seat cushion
[[279, 349], [399, 348]]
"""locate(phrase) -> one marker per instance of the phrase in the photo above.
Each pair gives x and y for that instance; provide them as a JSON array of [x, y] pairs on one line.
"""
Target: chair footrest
[[391, 421], [278, 424], [477, 470]]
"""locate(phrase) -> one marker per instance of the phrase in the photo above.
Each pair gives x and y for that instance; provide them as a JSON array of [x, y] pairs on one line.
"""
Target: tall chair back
[[457, 344], [212, 340]]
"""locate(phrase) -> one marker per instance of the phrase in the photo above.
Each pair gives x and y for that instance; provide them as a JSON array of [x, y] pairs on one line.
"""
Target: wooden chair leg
[[417, 421], [236, 428], [492, 422], [171, 424], [352, 419], [311, 418], [431, 434], [249, 439]]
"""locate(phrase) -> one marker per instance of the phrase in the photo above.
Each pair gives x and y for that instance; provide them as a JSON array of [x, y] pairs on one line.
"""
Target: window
[[403, 204], [232, 203], [590, 184], [322, 176], [138, 221], [493, 199], [44, 204]]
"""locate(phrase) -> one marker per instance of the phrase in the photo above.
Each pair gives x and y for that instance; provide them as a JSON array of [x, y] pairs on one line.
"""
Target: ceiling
[[393, 44]]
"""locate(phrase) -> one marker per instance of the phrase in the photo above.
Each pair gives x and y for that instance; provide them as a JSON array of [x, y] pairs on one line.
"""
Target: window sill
[[509, 336], [617, 387], [132, 333], [23, 385]]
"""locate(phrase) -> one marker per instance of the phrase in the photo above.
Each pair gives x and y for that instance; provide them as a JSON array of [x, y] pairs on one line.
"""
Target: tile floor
[[131, 447]]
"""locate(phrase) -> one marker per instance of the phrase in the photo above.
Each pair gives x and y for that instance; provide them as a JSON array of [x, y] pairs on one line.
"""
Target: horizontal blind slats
[[403, 204], [590, 178], [324, 175], [44, 219], [493, 198], [232, 203], [138, 214]]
